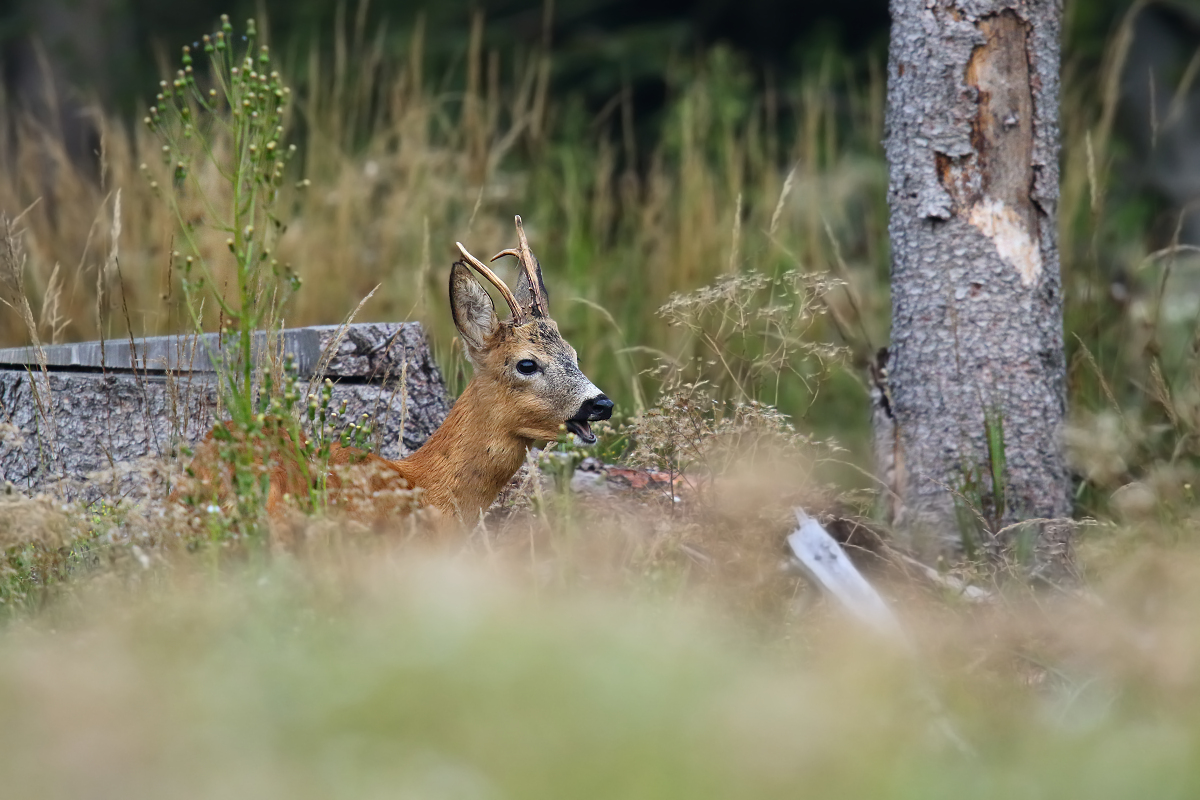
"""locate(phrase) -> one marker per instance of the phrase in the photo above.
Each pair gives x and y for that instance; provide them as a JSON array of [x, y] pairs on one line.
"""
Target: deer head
[[523, 364]]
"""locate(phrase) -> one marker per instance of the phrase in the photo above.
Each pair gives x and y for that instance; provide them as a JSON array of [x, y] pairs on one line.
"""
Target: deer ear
[[473, 310]]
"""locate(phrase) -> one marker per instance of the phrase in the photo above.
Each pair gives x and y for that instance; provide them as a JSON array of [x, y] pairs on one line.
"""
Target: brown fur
[[463, 466]]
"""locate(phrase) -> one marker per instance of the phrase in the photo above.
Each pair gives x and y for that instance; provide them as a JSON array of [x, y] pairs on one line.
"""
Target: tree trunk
[[976, 374]]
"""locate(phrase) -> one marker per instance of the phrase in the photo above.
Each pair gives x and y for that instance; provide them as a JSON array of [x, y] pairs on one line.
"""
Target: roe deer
[[527, 385]]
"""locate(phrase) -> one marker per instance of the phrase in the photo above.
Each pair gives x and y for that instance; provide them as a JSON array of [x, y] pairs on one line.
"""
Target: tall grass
[[402, 164], [1131, 308]]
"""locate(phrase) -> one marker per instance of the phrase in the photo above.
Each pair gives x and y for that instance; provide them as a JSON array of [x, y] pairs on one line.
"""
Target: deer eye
[[527, 366]]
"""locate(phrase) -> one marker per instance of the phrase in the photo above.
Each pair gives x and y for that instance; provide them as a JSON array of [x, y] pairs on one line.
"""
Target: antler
[[517, 312], [538, 305]]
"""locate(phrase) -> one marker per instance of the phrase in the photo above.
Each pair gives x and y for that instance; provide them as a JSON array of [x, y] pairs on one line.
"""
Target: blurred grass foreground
[[434, 678], [722, 270]]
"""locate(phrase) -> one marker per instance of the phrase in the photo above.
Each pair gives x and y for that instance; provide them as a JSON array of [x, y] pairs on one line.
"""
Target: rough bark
[[972, 144], [87, 433]]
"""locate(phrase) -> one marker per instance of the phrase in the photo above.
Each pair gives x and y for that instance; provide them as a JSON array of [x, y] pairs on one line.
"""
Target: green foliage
[[46, 547], [993, 424], [223, 141], [980, 498]]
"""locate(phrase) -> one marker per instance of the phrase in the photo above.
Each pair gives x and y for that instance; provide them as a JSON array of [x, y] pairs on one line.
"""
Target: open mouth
[[581, 429]]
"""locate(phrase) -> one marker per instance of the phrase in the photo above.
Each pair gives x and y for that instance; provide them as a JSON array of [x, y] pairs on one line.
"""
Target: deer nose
[[597, 408]]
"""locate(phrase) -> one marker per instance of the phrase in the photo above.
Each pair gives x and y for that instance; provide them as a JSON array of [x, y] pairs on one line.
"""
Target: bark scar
[[992, 187], [1004, 226]]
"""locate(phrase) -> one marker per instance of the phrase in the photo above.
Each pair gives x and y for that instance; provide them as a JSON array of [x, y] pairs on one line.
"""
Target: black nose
[[599, 407]]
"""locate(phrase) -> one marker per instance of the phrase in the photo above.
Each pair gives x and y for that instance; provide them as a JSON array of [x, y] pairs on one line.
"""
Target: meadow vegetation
[[727, 287]]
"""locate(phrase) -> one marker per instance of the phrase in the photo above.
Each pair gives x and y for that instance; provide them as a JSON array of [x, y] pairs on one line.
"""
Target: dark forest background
[[103, 47]]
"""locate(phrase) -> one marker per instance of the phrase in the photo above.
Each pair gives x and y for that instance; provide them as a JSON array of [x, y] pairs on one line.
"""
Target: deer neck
[[471, 457]]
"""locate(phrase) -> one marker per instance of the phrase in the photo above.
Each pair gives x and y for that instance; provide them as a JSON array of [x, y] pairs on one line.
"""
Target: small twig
[[958, 586]]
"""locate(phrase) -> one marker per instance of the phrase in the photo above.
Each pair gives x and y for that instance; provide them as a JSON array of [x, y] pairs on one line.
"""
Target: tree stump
[[101, 419]]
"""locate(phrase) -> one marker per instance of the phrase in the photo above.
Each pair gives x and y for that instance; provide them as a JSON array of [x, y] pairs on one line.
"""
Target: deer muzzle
[[594, 409]]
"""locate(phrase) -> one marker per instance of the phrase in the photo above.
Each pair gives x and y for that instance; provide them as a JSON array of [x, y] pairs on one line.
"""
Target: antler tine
[[494, 279], [529, 264]]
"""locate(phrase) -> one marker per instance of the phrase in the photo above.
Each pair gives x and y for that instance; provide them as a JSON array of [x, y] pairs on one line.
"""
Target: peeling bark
[[972, 145]]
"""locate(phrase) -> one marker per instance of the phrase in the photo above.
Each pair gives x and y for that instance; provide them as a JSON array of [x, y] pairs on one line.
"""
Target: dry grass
[[398, 172]]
